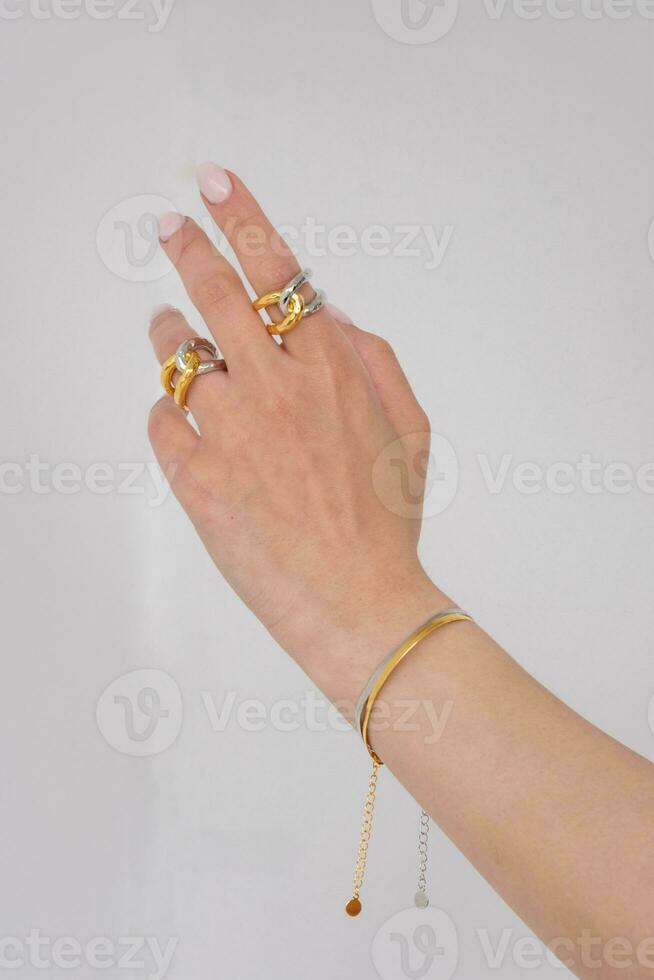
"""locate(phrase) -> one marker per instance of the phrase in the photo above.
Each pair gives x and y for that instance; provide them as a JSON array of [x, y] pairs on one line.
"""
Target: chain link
[[423, 853], [354, 905]]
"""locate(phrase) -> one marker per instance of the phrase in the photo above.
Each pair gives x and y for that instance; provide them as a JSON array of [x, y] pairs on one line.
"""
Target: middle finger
[[266, 259]]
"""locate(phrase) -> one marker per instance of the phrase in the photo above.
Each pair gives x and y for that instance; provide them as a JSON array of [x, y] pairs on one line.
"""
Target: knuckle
[[214, 287], [194, 250], [163, 319], [243, 223], [166, 338], [337, 370], [184, 247], [278, 269], [422, 422], [280, 405], [247, 235], [253, 238], [191, 485], [284, 398], [382, 346], [158, 429]]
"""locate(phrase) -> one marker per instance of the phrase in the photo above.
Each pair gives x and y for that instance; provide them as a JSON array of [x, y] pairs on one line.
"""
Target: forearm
[[555, 814]]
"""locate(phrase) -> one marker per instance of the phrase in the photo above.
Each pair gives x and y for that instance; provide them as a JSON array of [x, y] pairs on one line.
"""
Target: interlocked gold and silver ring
[[291, 303], [300, 279], [181, 368]]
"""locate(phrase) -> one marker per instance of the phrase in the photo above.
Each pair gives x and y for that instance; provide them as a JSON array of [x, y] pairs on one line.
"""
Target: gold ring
[[292, 318], [186, 362], [181, 386]]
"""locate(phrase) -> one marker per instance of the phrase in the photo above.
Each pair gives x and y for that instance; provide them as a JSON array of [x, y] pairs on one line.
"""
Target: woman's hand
[[282, 485], [279, 482]]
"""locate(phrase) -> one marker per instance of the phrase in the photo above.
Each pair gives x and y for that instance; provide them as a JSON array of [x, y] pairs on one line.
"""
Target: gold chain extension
[[353, 907]]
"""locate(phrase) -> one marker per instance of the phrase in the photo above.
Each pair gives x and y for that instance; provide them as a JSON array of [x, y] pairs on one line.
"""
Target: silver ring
[[300, 279], [214, 363]]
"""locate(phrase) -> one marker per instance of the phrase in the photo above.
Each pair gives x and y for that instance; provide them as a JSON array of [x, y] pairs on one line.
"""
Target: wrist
[[340, 640]]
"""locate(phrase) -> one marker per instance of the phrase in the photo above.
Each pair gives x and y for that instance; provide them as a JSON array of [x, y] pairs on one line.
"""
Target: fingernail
[[158, 310], [338, 314], [213, 182], [169, 223]]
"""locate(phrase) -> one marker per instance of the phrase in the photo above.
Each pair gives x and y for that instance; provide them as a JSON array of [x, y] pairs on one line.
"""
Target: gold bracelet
[[363, 712]]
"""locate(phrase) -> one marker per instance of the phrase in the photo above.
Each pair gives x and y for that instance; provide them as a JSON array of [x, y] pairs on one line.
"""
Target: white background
[[532, 139]]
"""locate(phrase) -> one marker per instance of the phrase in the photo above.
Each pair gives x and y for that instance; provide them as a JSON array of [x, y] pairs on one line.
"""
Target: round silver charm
[[421, 900]]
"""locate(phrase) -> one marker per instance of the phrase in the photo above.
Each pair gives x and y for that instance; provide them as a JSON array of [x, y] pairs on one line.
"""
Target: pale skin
[[556, 815]]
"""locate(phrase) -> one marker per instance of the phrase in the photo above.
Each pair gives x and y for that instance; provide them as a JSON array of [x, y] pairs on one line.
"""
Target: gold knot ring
[[186, 363], [295, 310]]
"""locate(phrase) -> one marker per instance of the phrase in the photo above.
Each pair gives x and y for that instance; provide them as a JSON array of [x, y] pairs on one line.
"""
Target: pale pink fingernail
[[338, 314], [213, 182], [159, 310], [169, 223]]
